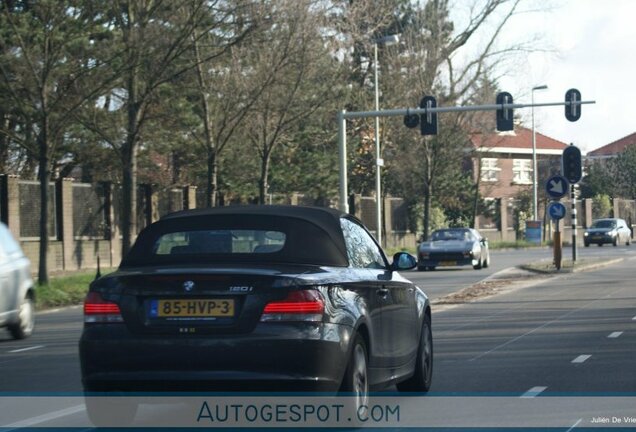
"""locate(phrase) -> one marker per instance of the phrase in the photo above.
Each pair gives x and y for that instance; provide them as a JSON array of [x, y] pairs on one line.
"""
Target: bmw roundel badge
[[188, 286]]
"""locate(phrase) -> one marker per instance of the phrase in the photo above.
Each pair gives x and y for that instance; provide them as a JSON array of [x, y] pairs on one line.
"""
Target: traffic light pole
[[573, 217], [343, 116]]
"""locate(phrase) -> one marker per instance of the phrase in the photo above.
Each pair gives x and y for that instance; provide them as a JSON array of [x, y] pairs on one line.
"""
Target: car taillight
[[98, 310], [303, 305]]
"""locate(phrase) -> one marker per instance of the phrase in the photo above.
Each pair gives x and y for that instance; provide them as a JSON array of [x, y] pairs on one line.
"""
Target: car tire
[[479, 265], [23, 328], [355, 382], [107, 411], [600, 244], [422, 377], [487, 261], [430, 268], [421, 268], [615, 242], [628, 242], [586, 244]]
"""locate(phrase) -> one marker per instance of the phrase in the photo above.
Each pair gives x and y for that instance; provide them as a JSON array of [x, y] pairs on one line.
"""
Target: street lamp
[[379, 162], [534, 155]]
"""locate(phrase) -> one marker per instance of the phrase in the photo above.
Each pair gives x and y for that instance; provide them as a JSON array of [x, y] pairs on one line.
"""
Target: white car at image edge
[[17, 295]]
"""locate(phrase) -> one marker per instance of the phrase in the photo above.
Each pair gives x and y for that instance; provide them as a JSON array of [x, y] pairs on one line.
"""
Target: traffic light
[[504, 116], [411, 120], [572, 111], [571, 164], [428, 121]]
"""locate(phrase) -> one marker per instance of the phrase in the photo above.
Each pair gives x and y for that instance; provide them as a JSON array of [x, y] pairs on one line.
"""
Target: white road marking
[[45, 417], [26, 349], [634, 319], [581, 358], [513, 340], [533, 392], [614, 335], [575, 425]]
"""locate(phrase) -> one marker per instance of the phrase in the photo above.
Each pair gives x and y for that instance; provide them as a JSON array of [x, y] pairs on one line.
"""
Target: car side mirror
[[403, 261]]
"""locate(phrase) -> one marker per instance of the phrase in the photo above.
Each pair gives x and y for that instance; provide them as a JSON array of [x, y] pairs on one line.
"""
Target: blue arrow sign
[[557, 186], [556, 210]]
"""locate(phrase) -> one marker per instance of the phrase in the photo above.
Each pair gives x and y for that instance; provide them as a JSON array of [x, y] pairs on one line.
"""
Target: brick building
[[503, 161]]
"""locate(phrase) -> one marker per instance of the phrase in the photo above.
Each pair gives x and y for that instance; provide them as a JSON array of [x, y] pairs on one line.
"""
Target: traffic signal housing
[[572, 110], [504, 115], [428, 121], [571, 164]]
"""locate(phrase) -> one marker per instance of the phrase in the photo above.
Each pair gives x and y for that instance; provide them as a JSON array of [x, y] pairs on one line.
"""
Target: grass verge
[[64, 290]]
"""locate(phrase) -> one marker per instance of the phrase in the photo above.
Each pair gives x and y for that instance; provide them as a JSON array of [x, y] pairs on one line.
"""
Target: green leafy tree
[[47, 72]]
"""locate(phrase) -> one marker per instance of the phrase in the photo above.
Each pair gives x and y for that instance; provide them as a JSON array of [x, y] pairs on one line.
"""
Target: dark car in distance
[[278, 298], [610, 230], [453, 247]]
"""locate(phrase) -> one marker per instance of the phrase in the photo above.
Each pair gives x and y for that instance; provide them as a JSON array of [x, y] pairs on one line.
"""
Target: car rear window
[[236, 239], [222, 241]]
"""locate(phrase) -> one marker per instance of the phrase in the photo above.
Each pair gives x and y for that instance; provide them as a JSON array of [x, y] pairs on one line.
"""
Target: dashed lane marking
[[533, 392], [581, 358], [26, 349], [614, 335]]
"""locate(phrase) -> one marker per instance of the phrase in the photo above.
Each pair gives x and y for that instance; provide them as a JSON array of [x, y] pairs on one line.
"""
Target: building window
[[489, 170], [522, 171]]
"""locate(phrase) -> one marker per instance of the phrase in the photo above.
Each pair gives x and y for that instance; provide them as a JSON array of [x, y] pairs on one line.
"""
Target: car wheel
[[487, 261], [587, 244], [421, 268], [110, 411], [600, 244], [615, 241], [430, 268], [479, 265], [355, 382], [23, 328], [422, 377], [628, 242]]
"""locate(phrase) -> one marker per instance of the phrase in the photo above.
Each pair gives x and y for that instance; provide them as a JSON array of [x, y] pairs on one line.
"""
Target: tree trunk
[[427, 211], [129, 196], [212, 169], [43, 176], [262, 182]]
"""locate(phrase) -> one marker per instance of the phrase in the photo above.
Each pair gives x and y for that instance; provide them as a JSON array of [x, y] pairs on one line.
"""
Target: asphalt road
[[569, 334], [446, 280]]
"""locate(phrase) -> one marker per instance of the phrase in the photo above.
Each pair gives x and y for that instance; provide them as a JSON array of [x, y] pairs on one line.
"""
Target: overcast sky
[[594, 46]]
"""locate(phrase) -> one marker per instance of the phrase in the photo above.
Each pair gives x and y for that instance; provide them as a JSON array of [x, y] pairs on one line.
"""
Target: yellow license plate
[[192, 308], [447, 263]]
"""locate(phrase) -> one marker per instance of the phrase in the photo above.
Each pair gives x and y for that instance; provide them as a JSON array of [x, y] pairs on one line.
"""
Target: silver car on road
[[17, 296], [453, 247]]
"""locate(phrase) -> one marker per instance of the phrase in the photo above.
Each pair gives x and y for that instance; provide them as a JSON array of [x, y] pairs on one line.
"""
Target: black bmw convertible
[[278, 298]]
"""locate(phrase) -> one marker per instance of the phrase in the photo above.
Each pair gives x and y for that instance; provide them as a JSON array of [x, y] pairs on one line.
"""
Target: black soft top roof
[[315, 232]]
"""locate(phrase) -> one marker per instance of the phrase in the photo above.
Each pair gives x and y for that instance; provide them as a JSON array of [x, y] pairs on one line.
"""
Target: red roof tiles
[[614, 147], [521, 138]]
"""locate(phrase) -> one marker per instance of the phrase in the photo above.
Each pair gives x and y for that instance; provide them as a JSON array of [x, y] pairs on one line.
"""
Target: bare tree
[[429, 64], [155, 38], [303, 83]]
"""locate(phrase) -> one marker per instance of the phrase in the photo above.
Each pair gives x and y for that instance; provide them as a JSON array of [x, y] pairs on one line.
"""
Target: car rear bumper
[[273, 357], [446, 263]]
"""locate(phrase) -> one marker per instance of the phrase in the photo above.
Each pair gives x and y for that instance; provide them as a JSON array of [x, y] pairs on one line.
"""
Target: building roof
[[517, 141], [615, 147]]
